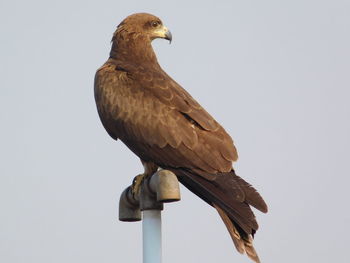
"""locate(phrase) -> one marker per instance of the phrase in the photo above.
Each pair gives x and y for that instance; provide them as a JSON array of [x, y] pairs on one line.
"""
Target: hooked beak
[[164, 32], [168, 36]]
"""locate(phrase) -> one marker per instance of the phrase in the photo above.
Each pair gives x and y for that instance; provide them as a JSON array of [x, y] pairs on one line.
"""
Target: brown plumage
[[162, 124]]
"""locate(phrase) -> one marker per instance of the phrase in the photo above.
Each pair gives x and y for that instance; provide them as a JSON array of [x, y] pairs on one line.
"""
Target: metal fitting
[[161, 187]]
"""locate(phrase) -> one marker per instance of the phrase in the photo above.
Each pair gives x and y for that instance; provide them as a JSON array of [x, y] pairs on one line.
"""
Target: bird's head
[[145, 25]]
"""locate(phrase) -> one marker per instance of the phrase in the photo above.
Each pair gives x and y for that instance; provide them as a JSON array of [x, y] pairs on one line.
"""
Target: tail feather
[[231, 197], [242, 243], [236, 237]]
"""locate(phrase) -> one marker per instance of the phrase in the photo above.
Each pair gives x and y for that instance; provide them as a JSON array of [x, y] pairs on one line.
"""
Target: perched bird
[[165, 127]]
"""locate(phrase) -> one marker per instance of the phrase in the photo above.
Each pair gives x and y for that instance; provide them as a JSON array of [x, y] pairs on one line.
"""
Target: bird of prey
[[141, 105]]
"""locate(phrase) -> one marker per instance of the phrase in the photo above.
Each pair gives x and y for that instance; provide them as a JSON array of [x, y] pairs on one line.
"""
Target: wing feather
[[160, 121]]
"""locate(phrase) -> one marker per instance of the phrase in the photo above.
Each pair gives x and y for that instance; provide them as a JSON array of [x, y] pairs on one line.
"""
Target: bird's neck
[[135, 49]]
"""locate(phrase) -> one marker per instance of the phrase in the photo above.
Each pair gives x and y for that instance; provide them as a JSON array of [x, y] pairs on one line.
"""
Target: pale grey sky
[[275, 74]]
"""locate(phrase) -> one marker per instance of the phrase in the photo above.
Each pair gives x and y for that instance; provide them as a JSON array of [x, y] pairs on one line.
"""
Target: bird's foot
[[150, 168], [136, 184]]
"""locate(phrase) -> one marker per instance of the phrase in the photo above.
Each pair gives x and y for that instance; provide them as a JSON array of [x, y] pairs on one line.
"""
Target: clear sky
[[275, 74]]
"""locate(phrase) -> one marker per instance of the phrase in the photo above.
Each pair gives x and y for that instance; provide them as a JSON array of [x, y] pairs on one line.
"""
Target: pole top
[[161, 187]]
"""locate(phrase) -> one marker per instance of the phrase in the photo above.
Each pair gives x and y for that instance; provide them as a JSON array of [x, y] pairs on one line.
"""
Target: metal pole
[[162, 187], [152, 236]]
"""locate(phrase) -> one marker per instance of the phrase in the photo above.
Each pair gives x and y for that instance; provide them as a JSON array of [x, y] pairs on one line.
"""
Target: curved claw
[[136, 184]]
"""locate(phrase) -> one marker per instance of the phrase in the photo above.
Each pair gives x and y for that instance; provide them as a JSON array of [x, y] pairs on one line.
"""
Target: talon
[[136, 184]]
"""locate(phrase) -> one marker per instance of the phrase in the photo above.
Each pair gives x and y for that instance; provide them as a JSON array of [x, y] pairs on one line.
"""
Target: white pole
[[152, 236]]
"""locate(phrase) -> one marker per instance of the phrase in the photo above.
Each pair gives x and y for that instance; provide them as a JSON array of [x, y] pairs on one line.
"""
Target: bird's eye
[[155, 23]]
